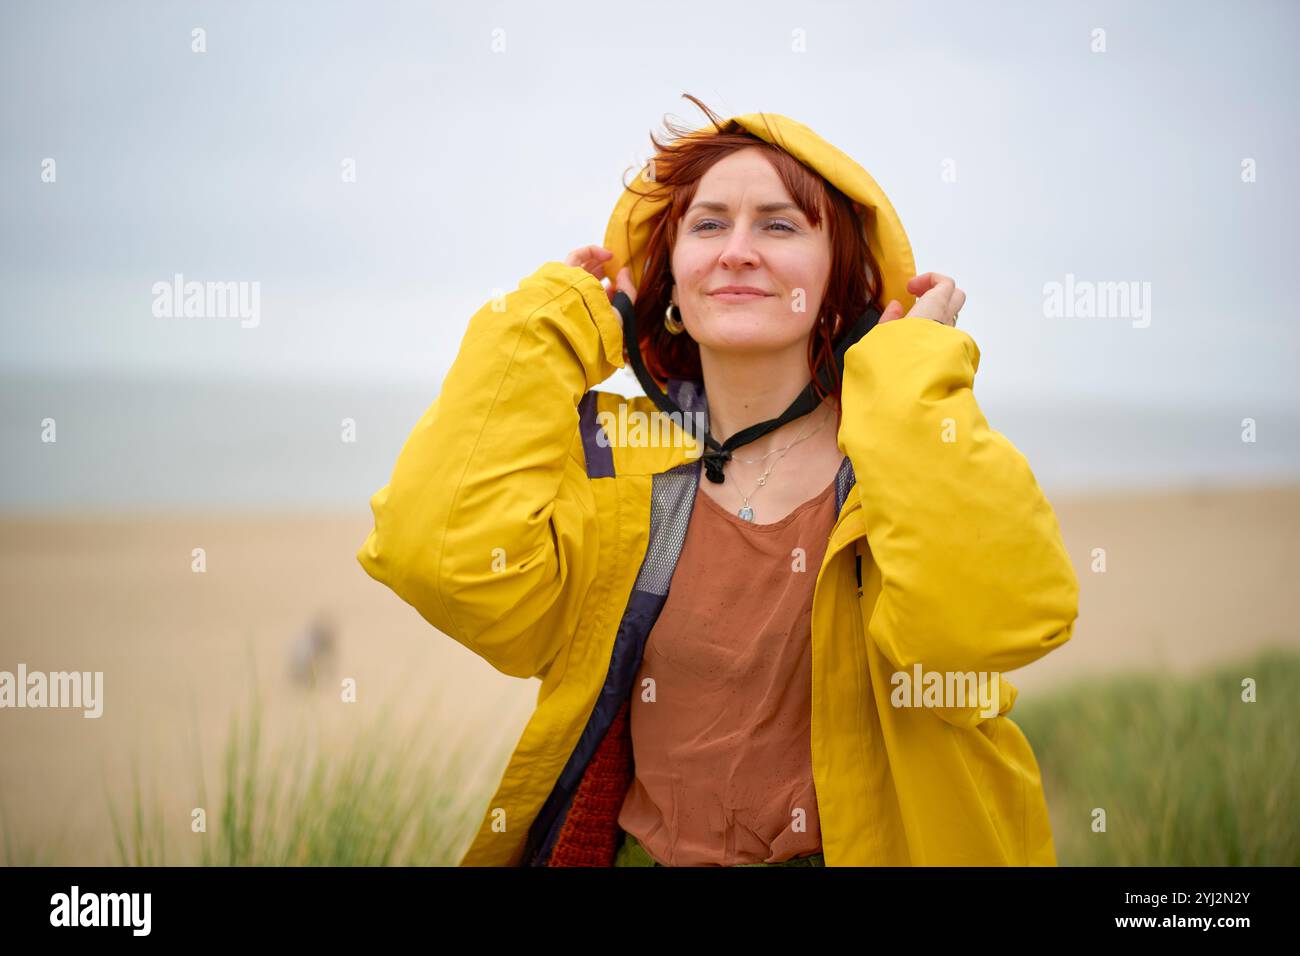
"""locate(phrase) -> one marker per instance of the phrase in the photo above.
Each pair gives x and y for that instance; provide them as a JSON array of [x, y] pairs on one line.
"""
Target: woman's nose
[[739, 251]]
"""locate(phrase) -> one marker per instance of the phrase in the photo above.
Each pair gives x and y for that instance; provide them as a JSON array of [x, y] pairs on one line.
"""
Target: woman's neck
[[743, 390]]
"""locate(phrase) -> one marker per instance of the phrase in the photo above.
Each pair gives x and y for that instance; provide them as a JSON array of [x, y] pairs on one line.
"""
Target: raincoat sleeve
[[974, 574], [488, 526]]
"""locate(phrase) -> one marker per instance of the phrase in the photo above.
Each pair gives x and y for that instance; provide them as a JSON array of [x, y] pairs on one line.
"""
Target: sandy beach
[[1192, 578]]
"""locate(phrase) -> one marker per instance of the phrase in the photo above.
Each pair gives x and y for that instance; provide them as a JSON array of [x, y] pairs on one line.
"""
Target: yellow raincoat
[[514, 526]]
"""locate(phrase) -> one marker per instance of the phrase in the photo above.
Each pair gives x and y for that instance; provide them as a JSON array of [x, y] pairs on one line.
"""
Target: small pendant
[[762, 479], [747, 513]]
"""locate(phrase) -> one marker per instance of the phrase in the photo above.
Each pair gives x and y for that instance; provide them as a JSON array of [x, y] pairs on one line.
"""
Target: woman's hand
[[938, 298], [593, 259]]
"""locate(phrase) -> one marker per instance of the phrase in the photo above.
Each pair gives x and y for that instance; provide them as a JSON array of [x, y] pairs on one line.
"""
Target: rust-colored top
[[722, 704]]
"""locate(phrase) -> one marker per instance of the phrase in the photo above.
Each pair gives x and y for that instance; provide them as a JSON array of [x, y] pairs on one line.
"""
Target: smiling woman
[[717, 669]]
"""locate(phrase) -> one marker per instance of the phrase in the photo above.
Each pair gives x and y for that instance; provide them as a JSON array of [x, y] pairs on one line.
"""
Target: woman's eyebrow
[[723, 207]]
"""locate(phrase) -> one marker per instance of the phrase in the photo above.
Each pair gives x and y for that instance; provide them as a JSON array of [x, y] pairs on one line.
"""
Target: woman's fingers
[[594, 259], [938, 297], [892, 311], [954, 304], [933, 304], [941, 289], [919, 285], [591, 258], [622, 283], [586, 254]]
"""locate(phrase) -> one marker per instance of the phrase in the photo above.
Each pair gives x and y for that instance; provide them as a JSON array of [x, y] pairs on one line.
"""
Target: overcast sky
[[474, 166]]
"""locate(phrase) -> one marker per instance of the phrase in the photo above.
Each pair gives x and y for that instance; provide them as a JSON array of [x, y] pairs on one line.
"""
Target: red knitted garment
[[590, 833]]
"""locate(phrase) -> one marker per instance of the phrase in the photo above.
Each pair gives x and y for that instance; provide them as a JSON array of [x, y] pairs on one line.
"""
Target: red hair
[[678, 165]]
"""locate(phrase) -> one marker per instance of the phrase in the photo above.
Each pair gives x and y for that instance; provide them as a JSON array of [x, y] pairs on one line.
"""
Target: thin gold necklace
[[755, 461], [746, 513]]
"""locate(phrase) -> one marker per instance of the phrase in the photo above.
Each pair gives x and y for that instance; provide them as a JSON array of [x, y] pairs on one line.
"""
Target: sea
[[175, 444]]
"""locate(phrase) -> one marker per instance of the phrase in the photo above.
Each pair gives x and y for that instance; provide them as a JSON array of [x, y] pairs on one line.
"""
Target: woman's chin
[[752, 328], [749, 343]]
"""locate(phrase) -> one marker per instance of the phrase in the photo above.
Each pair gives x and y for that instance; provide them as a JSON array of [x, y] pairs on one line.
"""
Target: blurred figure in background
[[311, 656]]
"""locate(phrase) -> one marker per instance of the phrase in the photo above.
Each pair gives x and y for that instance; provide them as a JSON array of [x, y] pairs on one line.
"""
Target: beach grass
[[380, 798], [1186, 771]]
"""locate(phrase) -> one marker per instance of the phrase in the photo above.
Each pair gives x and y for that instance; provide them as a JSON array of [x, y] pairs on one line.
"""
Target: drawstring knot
[[713, 462]]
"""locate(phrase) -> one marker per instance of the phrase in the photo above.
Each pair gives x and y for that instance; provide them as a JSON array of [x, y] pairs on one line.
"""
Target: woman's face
[[743, 229]]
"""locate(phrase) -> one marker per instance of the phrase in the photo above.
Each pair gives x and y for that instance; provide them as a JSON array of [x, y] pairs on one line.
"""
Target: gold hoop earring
[[673, 325]]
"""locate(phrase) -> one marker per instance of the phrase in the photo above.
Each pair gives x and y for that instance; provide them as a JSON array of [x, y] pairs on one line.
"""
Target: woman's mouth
[[739, 294]]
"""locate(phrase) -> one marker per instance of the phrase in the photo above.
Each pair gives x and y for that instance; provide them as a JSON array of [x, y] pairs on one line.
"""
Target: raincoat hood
[[630, 223]]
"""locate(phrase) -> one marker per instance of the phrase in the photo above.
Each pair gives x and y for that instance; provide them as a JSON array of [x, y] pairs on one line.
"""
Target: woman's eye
[[700, 226]]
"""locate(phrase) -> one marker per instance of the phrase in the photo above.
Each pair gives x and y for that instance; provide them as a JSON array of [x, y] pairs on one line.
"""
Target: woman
[[733, 628]]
